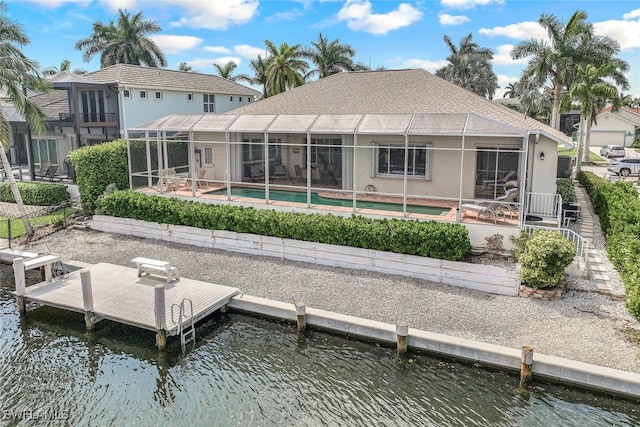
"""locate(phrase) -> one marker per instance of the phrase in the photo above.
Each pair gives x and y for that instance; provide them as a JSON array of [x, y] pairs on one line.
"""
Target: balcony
[[99, 119]]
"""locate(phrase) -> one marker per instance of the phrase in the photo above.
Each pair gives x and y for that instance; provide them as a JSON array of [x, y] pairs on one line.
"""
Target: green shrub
[[636, 144], [36, 193], [565, 188], [520, 243], [98, 166], [618, 206], [546, 255], [429, 239]]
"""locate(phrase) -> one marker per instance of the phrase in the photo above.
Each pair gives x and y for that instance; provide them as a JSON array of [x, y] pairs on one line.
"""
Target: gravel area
[[584, 325]]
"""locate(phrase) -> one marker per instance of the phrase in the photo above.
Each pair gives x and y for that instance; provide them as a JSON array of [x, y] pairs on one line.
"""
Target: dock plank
[[121, 296]]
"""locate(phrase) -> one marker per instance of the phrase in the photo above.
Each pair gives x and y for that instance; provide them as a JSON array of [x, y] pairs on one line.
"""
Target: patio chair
[[52, 172], [257, 174], [299, 175], [488, 211], [200, 181], [278, 172], [492, 184], [44, 168]]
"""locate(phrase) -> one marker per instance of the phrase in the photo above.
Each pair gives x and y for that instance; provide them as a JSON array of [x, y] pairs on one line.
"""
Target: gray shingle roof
[[390, 92], [53, 103], [135, 75]]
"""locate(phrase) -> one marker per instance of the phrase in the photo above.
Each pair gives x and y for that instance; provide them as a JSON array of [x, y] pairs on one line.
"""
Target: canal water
[[245, 371]]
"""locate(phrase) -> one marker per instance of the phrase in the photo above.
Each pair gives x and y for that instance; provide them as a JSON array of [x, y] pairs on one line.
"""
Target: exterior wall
[[611, 130], [542, 177], [139, 111]]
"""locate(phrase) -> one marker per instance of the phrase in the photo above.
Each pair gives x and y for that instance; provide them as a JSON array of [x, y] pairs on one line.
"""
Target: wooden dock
[[118, 294]]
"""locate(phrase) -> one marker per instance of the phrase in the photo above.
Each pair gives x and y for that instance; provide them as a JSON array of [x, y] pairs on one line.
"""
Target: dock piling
[[301, 316], [526, 364], [87, 298], [18, 272], [161, 317], [402, 332]]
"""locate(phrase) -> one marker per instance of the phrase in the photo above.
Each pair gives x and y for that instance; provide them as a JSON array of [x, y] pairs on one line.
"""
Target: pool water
[[301, 197]]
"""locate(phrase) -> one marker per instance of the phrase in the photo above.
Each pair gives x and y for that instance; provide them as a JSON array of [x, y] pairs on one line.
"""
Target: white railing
[[580, 244], [544, 204]]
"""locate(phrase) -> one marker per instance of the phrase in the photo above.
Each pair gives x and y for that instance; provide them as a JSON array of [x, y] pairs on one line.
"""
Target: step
[[601, 276], [598, 267]]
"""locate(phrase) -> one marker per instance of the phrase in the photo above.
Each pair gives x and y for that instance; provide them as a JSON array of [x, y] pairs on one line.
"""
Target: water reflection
[[246, 371]]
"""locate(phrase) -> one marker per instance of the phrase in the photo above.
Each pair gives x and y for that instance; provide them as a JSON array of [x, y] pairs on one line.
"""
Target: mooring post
[[402, 332], [18, 274], [87, 298], [161, 317], [301, 316], [526, 364]]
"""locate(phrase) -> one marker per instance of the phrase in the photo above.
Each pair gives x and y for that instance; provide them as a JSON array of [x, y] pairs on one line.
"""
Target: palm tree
[[330, 57], [286, 67], [556, 61], [511, 91], [592, 92], [226, 72], [124, 43], [184, 67], [65, 65], [259, 67], [470, 67], [16, 73]]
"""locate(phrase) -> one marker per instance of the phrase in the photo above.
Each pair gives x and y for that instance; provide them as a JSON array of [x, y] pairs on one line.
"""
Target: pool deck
[[448, 216], [121, 296]]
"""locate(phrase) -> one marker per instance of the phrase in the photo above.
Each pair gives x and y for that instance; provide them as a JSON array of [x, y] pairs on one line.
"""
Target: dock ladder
[[188, 332]]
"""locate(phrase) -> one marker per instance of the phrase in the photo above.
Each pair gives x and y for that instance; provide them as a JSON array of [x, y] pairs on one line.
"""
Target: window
[[208, 155], [93, 105], [249, 99], [231, 98], [209, 103], [44, 150], [143, 94], [493, 166], [239, 99], [126, 93], [189, 97], [158, 95], [391, 160]]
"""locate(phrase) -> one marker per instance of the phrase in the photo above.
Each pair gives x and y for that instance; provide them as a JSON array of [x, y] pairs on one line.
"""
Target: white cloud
[[247, 51], [175, 44], [217, 49], [54, 4], [114, 5], [502, 56], [467, 4], [291, 15], [446, 19], [626, 32], [223, 60], [360, 17], [428, 65], [520, 31], [215, 15]]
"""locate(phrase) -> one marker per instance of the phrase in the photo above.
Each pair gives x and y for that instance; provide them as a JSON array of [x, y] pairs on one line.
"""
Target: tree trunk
[[555, 108], [16, 192], [580, 151], [587, 140]]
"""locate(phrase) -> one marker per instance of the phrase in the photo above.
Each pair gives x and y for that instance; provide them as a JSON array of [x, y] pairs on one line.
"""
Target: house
[[621, 127], [99, 106], [392, 142]]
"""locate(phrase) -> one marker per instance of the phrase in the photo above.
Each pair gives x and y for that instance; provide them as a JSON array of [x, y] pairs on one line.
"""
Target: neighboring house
[[403, 136], [146, 93], [621, 127], [99, 106]]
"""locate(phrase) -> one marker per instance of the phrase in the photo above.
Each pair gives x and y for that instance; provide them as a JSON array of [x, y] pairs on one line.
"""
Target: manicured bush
[[36, 193], [424, 238], [98, 166], [618, 206], [564, 187], [545, 256]]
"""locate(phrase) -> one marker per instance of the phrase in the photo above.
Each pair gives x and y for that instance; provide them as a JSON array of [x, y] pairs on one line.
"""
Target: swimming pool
[[301, 197]]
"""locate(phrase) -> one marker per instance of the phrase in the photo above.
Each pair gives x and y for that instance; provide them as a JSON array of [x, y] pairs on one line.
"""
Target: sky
[[386, 33]]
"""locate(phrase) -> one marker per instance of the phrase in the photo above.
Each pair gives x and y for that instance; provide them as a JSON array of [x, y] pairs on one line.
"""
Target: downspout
[[121, 110], [525, 179], [308, 170], [464, 133], [266, 167], [192, 162]]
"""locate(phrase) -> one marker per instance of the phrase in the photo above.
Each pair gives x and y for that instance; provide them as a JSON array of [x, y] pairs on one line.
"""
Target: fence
[[11, 224]]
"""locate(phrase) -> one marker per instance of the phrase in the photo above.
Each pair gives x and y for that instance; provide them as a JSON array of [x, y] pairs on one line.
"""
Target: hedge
[[36, 193], [98, 166], [412, 237], [618, 206]]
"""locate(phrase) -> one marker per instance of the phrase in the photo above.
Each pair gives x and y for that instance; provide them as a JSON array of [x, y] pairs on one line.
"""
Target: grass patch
[[17, 226], [593, 157]]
